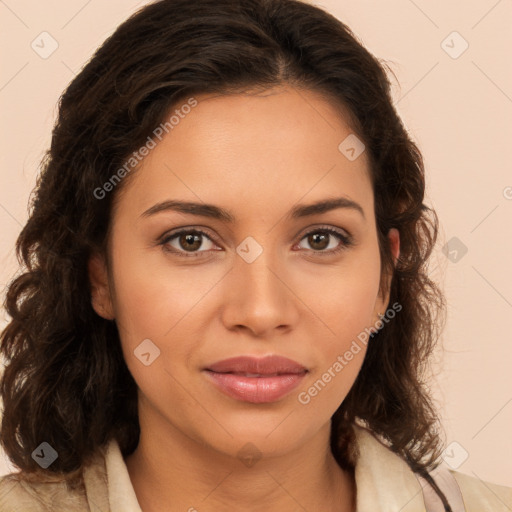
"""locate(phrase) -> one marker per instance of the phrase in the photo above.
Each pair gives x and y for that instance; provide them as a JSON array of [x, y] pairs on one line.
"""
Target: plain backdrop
[[454, 94]]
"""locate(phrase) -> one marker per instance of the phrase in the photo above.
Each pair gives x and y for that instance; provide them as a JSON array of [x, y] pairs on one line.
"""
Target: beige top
[[384, 483]]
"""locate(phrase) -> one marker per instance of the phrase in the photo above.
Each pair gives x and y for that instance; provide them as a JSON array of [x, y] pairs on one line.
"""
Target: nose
[[259, 297]]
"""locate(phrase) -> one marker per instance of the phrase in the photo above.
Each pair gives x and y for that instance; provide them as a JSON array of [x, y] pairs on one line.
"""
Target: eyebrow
[[215, 212]]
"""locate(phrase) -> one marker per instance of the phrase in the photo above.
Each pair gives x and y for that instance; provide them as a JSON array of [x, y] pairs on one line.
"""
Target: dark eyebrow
[[215, 212], [325, 206]]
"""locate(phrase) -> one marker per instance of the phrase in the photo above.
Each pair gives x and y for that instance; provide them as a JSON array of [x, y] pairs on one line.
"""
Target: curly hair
[[65, 380]]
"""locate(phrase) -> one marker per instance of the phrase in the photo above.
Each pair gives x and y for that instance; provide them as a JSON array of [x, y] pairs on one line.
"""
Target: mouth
[[259, 375], [253, 366], [256, 380]]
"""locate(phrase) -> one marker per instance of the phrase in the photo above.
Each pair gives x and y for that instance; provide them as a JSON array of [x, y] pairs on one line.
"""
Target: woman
[[226, 304]]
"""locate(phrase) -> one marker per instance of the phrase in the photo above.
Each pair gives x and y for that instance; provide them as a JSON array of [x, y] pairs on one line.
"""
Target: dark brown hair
[[65, 380]]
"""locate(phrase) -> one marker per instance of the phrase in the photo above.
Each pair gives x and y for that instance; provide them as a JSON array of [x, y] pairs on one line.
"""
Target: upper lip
[[268, 365]]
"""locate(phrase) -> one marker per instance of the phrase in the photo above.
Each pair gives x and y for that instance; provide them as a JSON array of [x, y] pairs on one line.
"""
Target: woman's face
[[265, 282]]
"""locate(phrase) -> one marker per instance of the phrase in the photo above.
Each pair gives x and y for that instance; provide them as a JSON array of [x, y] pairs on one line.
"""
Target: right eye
[[186, 241]]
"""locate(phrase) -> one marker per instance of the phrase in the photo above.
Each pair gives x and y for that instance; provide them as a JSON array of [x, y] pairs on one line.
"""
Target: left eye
[[190, 241], [319, 237]]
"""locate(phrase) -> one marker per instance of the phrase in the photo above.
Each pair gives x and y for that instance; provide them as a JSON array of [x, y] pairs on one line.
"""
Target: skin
[[257, 156]]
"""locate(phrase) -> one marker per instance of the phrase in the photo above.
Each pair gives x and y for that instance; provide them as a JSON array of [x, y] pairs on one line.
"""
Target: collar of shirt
[[384, 481]]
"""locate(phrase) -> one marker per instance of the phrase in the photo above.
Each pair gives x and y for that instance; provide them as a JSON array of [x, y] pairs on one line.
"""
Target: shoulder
[[21, 492], [17, 494], [480, 495], [382, 475]]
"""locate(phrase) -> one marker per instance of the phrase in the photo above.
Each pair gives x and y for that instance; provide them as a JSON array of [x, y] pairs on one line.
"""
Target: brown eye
[[187, 241], [321, 239], [190, 241]]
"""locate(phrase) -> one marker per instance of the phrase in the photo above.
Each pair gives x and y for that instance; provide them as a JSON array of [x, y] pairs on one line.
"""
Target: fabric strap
[[448, 484]]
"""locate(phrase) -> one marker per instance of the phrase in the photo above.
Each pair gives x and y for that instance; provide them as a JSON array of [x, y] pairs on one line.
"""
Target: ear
[[394, 241], [100, 291]]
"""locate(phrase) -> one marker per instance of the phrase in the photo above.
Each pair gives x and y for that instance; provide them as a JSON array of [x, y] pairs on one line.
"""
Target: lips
[[253, 366], [256, 380]]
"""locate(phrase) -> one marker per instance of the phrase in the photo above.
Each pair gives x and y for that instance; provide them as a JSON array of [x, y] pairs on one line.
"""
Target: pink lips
[[256, 380]]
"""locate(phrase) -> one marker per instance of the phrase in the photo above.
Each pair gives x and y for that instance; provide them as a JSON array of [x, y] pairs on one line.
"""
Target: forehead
[[257, 150]]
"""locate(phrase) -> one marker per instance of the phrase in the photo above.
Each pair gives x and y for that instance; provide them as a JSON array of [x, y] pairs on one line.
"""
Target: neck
[[177, 473]]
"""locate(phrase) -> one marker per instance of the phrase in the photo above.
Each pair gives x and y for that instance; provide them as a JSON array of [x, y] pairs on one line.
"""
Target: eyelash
[[346, 240]]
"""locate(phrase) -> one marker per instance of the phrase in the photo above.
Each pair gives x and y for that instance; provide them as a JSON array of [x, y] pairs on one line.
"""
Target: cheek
[[345, 305], [165, 305], [349, 316], [344, 297], [152, 296]]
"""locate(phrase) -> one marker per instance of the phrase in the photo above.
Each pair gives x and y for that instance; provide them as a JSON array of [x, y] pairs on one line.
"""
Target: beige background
[[459, 111]]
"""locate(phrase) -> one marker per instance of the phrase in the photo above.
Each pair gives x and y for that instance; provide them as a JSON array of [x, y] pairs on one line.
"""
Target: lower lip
[[257, 390]]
